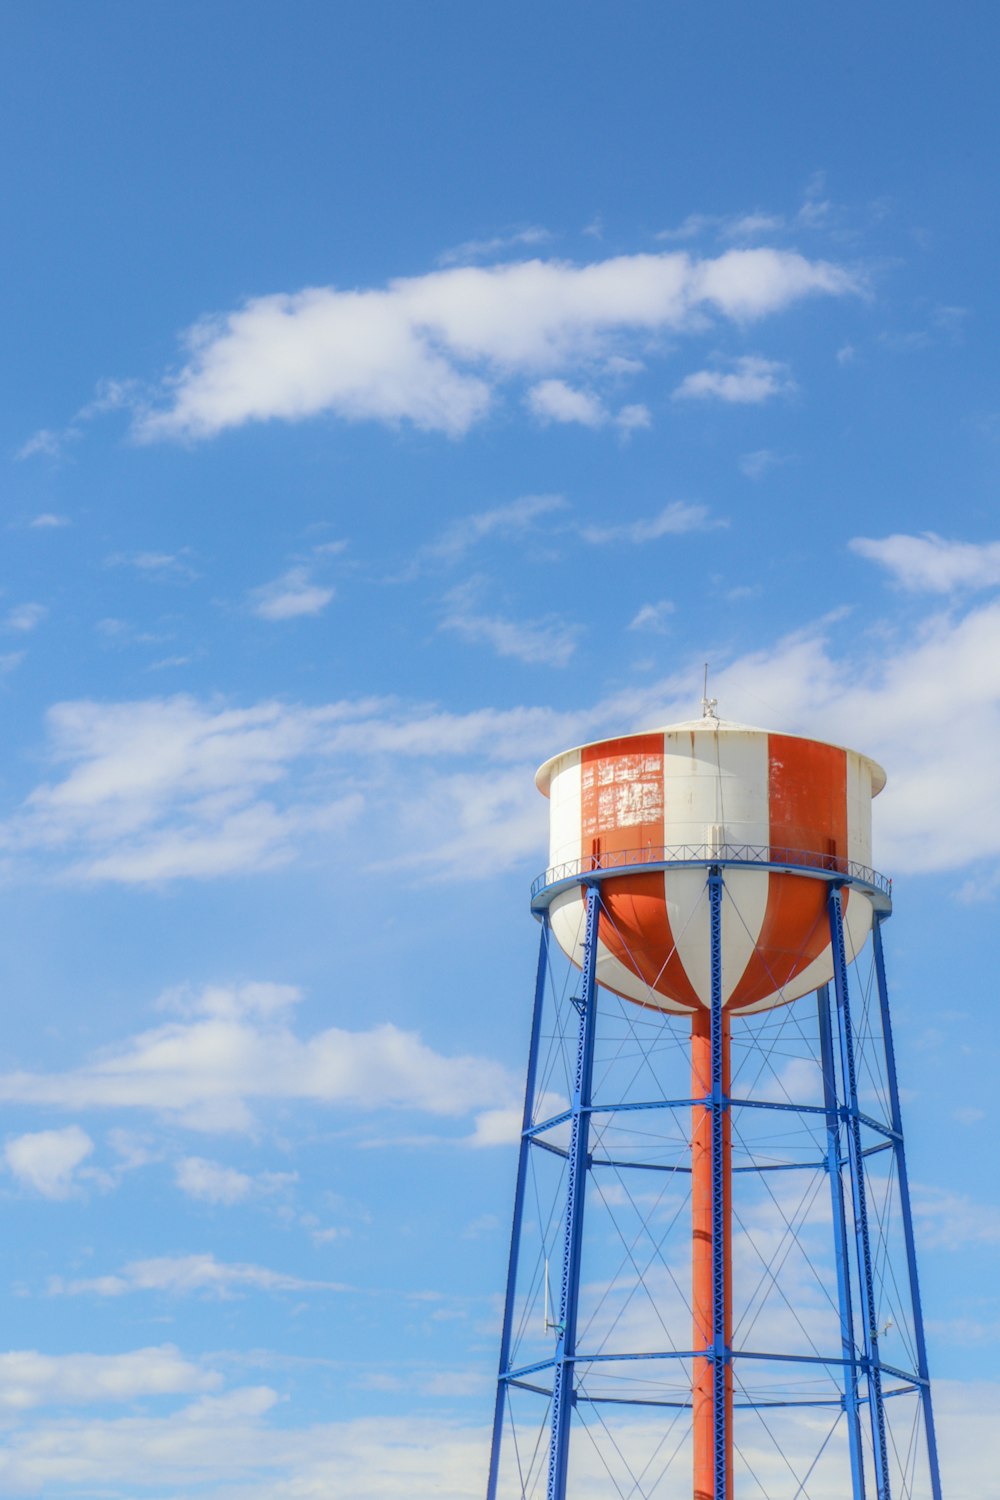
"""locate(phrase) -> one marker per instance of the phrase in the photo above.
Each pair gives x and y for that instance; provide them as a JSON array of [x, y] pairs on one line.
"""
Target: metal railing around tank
[[773, 856]]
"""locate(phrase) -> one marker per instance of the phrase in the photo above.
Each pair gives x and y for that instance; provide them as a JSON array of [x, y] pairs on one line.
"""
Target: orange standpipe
[[702, 1399]]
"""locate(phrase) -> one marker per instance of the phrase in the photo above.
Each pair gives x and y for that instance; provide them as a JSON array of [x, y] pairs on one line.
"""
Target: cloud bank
[[226, 1055]]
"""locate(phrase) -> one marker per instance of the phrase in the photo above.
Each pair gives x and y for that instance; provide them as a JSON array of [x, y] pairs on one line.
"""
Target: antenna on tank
[[708, 705]]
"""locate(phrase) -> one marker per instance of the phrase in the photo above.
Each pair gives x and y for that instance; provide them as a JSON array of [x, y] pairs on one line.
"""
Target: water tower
[[712, 1289]]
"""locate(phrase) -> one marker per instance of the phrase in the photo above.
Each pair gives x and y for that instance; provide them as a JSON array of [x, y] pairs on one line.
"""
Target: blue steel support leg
[[519, 1191], [904, 1199], [719, 1192], [857, 1161], [834, 1168], [564, 1380]]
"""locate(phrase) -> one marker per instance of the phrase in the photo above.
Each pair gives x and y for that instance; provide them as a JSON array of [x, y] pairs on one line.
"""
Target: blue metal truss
[[563, 1384], [866, 1381], [904, 1196]]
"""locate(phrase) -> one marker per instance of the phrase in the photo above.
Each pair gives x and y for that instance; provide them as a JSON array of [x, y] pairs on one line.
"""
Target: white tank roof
[[707, 725]]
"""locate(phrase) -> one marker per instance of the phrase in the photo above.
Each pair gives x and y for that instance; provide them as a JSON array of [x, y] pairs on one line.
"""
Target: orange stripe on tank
[[621, 795], [807, 796], [807, 799], [793, 934], [637, 931]]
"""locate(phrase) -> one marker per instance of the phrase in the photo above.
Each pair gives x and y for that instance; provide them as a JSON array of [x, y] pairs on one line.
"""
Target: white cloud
[[690, 228], [495, 244], [289, 597], [555, 401], [212, 1182], [170, 788], [25, 617], [183, 1275], [48, 521], [813, 213], [750, 381], [227, 1055], [953, 1221], [674, 519], [756, 464], [158, 565], [46, 1160], [633, 417], [549, 642], [433, 350], [29, 1379], [929, 563], [653, 617], [751, 226], [45, 442], [515, 518], [497, 1127]]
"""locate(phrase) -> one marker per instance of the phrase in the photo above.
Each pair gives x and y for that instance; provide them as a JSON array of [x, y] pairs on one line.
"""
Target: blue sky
[[394, 395]]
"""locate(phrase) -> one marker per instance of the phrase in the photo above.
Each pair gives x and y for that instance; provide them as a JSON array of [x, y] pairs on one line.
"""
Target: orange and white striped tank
[[710, 787]]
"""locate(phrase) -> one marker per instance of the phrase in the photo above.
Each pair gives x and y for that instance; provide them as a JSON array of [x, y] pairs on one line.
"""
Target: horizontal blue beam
[[660, 1166], [832, 1360], [665, 1166], [630, 1107], [833, 1401]]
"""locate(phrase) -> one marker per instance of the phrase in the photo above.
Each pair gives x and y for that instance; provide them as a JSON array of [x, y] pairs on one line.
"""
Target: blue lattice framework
[[864, 1382]]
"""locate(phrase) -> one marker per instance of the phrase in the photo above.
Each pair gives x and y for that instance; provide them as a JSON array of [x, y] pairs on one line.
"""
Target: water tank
[[779, 811]]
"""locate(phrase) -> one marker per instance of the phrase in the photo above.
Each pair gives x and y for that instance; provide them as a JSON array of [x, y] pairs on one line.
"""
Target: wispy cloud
[[654, 618], [111, 395], [750, 381], [47, 442], [953, 1221], [213, 1182], [674, 519], [24, 618], [493, 245], [514, 519], [756, 464], [173, 566], [547, 642], [184, 1275], [930, 564], [290, 596], [814, 212], [434, 350], [48, 521]]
